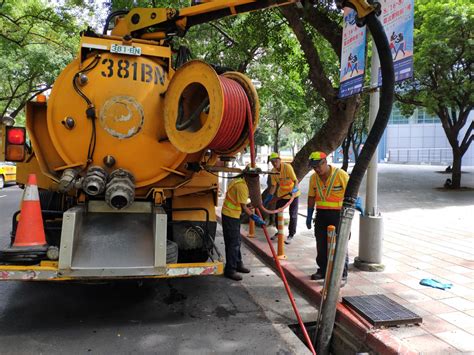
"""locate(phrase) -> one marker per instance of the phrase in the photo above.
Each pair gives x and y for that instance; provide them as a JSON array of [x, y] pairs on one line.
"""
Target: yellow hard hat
[[274, 156], [316, 157]]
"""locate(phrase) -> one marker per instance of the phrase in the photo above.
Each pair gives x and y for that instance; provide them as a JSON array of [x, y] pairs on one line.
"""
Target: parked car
[[7, 173]]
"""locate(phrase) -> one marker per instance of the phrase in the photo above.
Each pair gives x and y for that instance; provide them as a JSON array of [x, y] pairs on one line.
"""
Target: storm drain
[[380, 310], [343, 341]]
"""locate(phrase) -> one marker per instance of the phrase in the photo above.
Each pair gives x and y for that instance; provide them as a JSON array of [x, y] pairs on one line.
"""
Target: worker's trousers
[[293, 214], [232, 241], [325, 218]]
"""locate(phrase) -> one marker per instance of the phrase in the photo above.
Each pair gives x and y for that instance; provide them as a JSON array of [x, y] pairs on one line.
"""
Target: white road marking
[[3, 196]]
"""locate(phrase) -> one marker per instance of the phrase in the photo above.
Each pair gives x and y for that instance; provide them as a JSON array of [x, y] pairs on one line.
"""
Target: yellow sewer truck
[[123, 150]]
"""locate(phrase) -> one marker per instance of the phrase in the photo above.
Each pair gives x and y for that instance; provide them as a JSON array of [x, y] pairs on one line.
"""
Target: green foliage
[[297, 66], [444, 54], [263, 46], [36, 42], [443, 82]]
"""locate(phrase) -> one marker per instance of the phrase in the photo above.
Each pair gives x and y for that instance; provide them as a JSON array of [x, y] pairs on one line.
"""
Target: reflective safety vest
[[330, 197], [233, 207], [285, 181]]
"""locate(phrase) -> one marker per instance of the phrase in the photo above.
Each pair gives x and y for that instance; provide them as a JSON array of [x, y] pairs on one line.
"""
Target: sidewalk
[[428, 234]]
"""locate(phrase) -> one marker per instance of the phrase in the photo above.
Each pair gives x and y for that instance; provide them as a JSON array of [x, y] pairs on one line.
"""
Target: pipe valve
[[120, 190]]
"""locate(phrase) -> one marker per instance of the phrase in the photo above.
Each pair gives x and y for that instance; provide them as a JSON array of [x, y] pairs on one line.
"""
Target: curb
[[379, 340]]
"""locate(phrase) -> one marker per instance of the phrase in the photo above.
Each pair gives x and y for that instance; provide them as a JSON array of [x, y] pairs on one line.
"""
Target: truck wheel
[[2, 182], [171, 252], [194, 245]]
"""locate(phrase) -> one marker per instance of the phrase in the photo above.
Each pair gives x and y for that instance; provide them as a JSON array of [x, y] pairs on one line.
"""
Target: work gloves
[[258, 221], [358, 206], [309, 217], [435, 284], [267, 199]]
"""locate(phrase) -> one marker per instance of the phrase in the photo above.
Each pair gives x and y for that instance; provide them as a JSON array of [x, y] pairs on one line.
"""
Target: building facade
[[419, 139]]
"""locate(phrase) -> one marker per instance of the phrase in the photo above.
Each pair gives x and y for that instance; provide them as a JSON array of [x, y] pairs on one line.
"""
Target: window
[[425, 117], [397, 118]]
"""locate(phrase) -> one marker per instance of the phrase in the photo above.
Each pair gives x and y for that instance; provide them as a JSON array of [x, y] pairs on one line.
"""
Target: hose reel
[[204, 110]]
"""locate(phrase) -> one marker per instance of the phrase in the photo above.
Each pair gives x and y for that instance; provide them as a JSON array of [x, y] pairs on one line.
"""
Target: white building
[[420, 139]]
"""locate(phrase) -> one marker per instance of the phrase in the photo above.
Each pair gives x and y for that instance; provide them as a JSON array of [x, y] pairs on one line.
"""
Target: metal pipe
[[372, 178], [328, 310], [371, 224], [66, 182]]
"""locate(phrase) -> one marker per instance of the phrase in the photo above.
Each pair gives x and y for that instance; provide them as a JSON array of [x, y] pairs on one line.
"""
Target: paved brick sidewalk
[[428, 234]]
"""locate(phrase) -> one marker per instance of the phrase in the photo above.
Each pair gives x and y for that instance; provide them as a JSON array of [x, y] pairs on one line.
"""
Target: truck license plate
[[117, 48]]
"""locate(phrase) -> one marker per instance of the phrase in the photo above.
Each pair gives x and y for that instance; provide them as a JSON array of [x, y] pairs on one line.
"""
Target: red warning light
[[15, 135]]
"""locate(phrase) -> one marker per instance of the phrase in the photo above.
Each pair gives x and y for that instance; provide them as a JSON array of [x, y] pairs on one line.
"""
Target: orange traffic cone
[[30, 231], [29, 246]]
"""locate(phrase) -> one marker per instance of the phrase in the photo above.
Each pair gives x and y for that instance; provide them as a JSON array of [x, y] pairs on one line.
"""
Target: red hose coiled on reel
[[236, 109]]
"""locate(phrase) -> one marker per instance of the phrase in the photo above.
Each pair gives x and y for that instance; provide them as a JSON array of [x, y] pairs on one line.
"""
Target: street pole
[[371, 223]]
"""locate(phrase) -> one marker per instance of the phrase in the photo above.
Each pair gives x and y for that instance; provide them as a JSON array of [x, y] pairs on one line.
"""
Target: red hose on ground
[[287, 287]]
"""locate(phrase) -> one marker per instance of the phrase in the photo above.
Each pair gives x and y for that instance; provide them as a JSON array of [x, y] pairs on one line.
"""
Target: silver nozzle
[[95, 181], [120, 190], [66, 182]]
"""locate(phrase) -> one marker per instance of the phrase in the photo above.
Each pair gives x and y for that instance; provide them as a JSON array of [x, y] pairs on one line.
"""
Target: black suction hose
[[385, 108], [110, 17], [328, 311]]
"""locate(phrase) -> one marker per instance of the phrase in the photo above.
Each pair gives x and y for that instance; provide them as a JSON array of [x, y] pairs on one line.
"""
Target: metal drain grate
[[380, 310]]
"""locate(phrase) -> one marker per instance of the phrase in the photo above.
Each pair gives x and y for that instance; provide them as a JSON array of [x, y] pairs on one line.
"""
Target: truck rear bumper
[[48, 271]]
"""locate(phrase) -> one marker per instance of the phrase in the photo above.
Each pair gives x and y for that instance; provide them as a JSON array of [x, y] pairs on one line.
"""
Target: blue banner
[[352, 56], [397, 19]]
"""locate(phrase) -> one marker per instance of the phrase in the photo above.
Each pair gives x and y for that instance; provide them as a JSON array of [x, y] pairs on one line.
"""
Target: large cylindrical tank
[[127, 92], [131, 112]]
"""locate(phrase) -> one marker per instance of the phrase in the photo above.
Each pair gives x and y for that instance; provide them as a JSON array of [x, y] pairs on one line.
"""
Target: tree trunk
[[341, 112], [276, 144], [330, 136], [356, 142], [452, 125], [346, 145], [456, 175]]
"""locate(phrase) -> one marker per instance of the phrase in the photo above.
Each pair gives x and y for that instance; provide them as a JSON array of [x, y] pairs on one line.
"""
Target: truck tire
[[171, 252], [194, 245]]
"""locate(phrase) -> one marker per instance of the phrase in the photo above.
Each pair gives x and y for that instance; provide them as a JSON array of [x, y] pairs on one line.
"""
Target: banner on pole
[[352, 56], [397, 19]]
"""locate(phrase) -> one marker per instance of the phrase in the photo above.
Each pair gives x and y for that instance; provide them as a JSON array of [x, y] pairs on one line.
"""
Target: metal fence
[[442, 156]]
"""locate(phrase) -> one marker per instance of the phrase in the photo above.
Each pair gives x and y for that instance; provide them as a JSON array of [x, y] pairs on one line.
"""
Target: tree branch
[[328, 28], [468, 137], [317, 74], [407, 100], [222, 32]]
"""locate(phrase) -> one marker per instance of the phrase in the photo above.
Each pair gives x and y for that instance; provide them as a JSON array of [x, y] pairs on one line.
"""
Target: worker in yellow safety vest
[[287, 188], [326, 192], [234, 203]]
